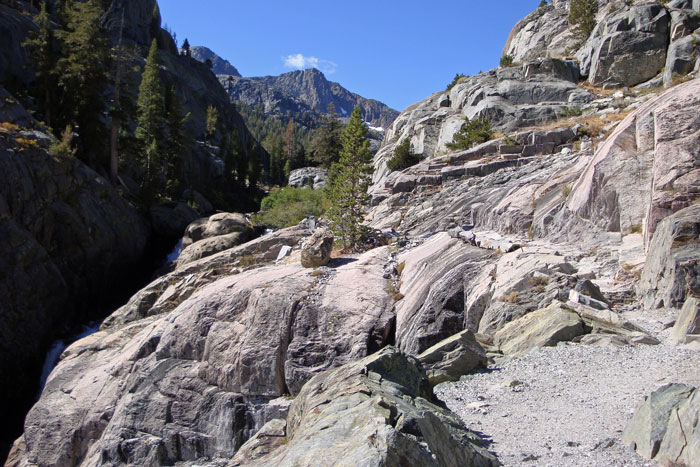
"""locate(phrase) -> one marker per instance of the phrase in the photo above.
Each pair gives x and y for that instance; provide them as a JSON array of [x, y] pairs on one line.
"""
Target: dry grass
[[247, 260], [7, 127], [399, 268], [599, 91], [316, 273], [539, 281], [511, 297]]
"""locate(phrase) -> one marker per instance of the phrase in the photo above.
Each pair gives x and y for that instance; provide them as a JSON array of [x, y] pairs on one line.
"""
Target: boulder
[[316, 251], [308, 176], [543, 33], [688, 323], [222, 223], [210, 235], [627, 47], [171, 218], [665, 426], [452, 358], [682, 58], [645, 432], [541, 328], [375, 411]]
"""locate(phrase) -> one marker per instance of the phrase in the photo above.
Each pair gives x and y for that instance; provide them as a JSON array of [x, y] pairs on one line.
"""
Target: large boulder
[[375, 411], [315, 177], [210, 235], [541, 328], [452, 358], [682, 58], [628, 46], [665, 427], [543, 33], [316, 251], [687, 325]]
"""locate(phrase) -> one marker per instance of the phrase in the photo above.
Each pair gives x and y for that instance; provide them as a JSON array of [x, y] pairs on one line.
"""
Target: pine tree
[[42, 45], [582, 15], [151, 120], [83, 75], [179, 141], [154, 27], [212, 121], [403, 156], [326, 143], [186, 48], [254, 166], [348, 193], [475, 131]]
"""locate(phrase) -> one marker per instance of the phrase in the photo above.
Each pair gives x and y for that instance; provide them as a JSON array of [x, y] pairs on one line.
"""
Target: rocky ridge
[[219, 65], [304, 91]]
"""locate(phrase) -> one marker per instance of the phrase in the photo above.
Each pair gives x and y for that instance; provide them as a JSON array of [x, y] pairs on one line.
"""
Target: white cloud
[[299, 61]]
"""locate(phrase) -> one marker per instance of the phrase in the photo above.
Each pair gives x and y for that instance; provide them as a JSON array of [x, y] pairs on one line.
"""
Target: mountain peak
[[220, 66]]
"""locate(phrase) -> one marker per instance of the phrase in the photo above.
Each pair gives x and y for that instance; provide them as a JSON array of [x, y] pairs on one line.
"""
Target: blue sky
[[398, 52]]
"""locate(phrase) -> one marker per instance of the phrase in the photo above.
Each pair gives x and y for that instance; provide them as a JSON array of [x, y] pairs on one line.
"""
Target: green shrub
[[571, 112], [475, 131], [543, 3], [64, 149], [403, 156], [287, 206], [506, 60], [456, 79]]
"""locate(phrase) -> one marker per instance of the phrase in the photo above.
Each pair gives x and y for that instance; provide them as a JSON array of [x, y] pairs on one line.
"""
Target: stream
[[53, 355]]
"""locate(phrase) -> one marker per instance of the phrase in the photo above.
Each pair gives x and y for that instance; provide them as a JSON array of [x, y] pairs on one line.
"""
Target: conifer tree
[[352, 174], [83, 73], [155, 25], [186, 48], [212, 121], [179, 141], [326, 144], [254, 166], [151, 119], [42, 45], [582, 15]]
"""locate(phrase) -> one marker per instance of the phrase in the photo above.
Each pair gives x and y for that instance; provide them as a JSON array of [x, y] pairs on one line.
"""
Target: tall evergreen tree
[[151, 119], [83, 73], [326, 143], [178, 142], [42, 45], [348, 193], [212, 121], [582, 16], [254, 166]]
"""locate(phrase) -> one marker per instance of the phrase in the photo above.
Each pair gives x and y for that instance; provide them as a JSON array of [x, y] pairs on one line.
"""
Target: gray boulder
[[688, 323], [316, 251], [541, 328], [664, 427], [375, 411], [314, 176], [452, 358], [682, 58], [543, 33], [210, 235]]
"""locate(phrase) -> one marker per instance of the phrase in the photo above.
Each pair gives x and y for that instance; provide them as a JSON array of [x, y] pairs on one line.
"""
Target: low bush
[[403, 156], [475, 131], [287, 206], [506, 61], [458, 77]]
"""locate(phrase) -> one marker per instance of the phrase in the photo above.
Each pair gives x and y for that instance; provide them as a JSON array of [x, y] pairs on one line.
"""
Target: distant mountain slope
[[220, 66], [305, 90]]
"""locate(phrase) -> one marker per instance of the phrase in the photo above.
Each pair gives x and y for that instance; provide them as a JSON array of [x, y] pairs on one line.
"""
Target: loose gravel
[[567, 405]]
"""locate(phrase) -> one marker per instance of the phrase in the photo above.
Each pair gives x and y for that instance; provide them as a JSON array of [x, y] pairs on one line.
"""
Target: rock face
[[372, 412], [67, 238], [199, 380], [627, 47], [170, 219], [543, 33], [664, 428], [219, 65], [302, 91], [317, 249], [687, 325], [672, 268], [308, 176]]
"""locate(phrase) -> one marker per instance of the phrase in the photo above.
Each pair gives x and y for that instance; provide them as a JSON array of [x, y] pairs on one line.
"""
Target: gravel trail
[[567, 405]]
